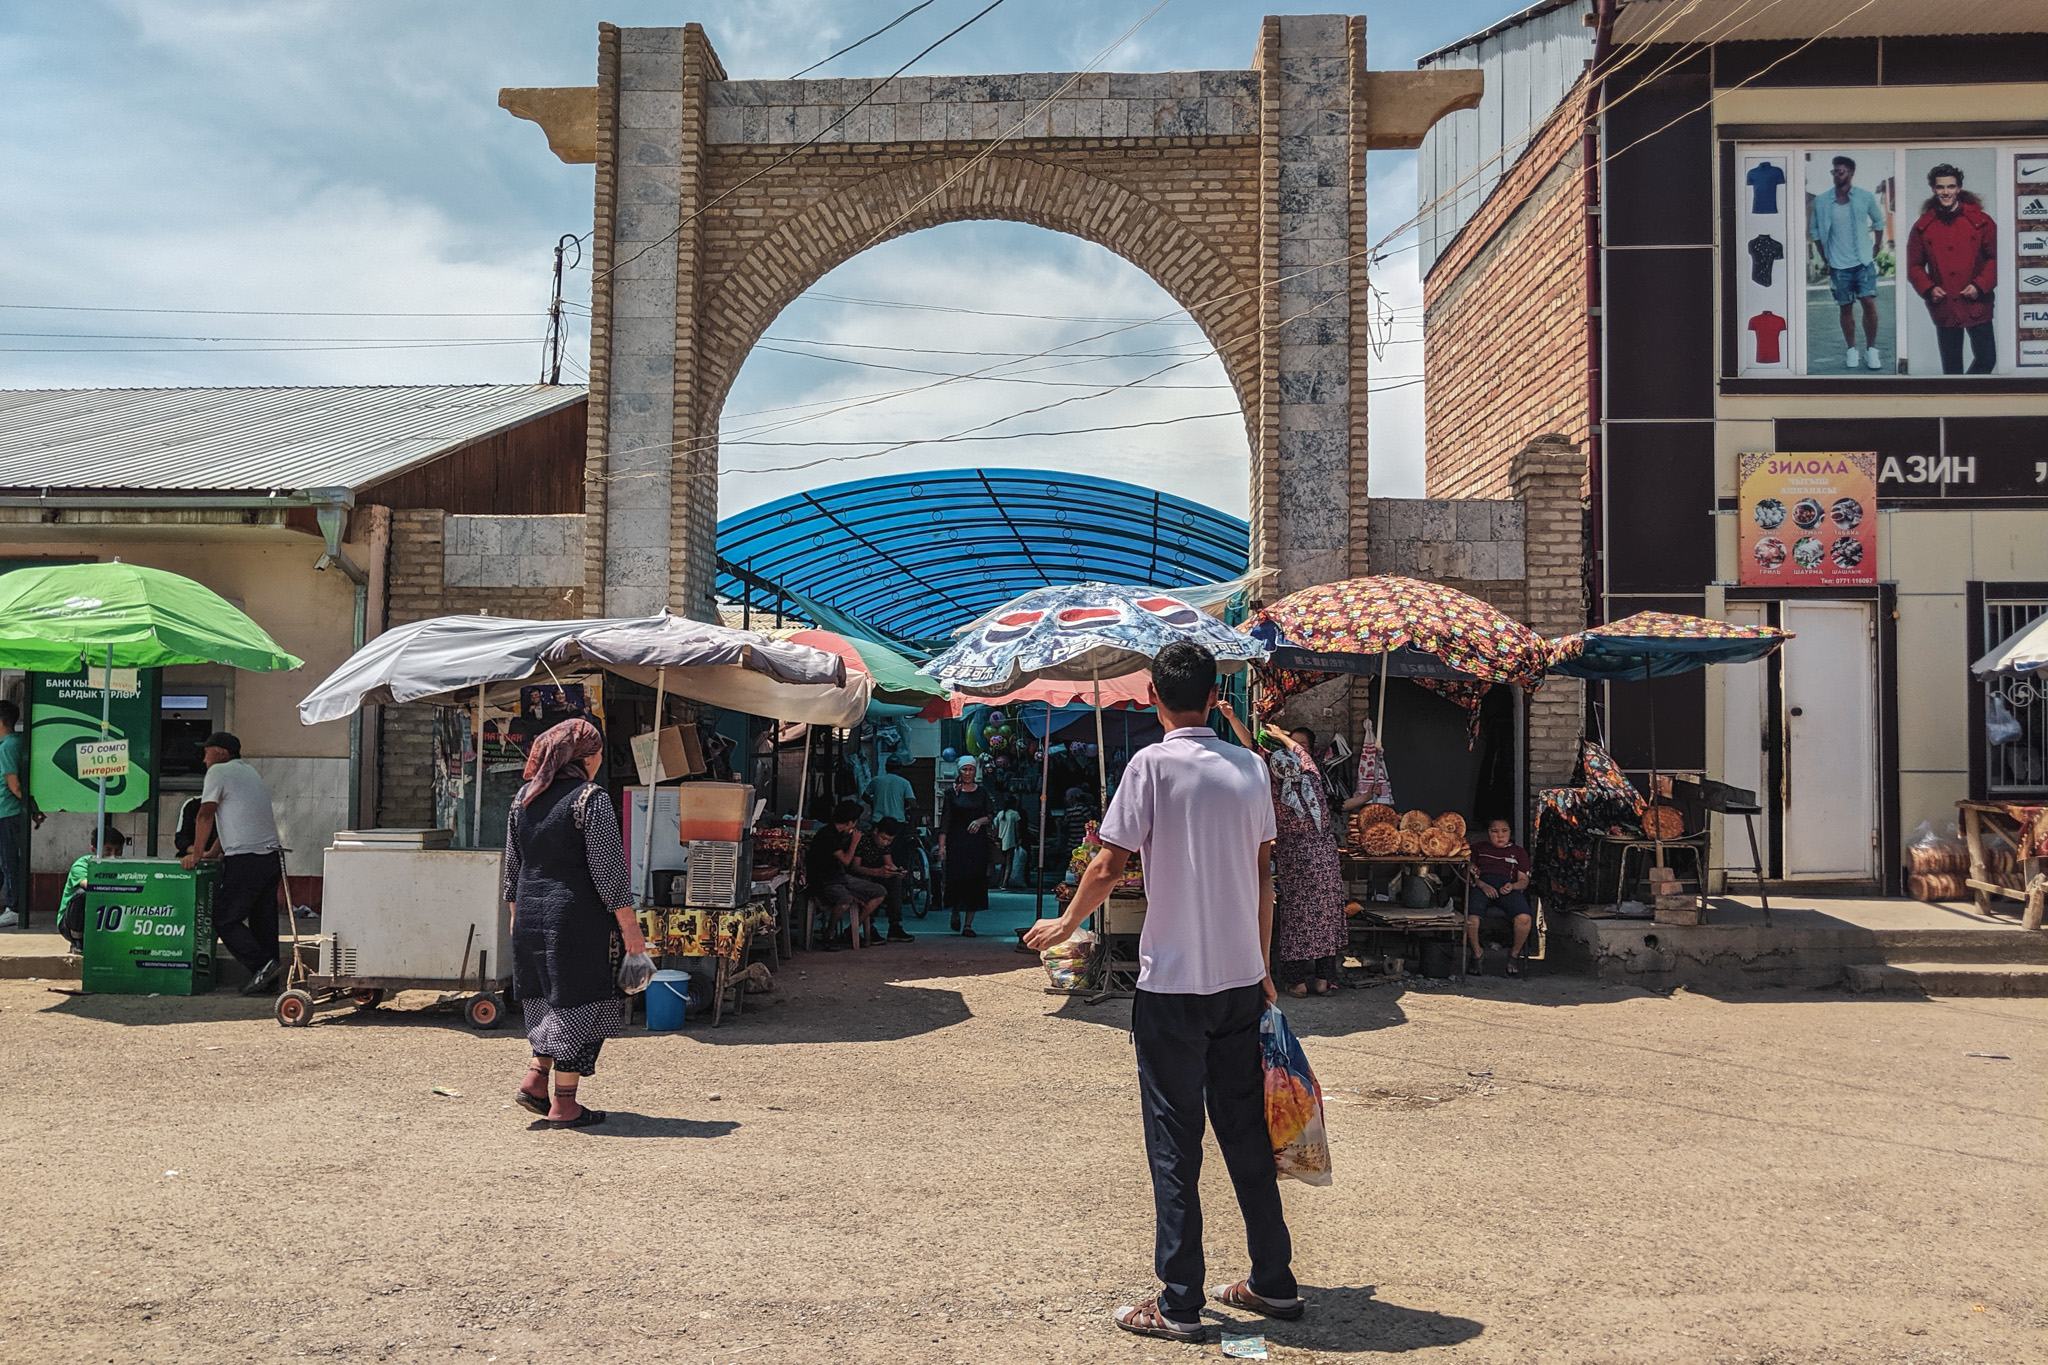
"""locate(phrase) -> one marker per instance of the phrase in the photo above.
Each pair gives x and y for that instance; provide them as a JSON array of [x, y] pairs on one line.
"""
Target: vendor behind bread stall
[[1502, 868]]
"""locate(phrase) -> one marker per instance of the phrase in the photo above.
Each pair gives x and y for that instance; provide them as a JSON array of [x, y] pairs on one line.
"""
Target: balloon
[[949, 755], [998, 741]]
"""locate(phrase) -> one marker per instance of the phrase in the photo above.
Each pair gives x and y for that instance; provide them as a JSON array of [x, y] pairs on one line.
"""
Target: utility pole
[[551, 350]]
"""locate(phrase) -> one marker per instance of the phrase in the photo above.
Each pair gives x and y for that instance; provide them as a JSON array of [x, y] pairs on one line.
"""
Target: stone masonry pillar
[[1308, 500], [650, 482], [1546, 476]]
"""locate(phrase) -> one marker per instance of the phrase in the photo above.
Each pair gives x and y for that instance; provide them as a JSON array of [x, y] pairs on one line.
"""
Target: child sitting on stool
[[1503, 868]]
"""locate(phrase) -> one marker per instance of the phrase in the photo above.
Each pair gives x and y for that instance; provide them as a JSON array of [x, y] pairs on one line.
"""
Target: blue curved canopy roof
[[920, 554]]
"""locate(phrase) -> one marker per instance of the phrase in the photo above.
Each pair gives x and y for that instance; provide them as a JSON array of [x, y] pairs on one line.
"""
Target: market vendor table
[[1400, 920], [2025, 827], [723, 936]]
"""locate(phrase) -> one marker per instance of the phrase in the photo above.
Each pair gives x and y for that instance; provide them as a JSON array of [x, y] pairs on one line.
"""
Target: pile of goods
[[1378, 832], [1132, 883], [1067, 963], [1937, 867]]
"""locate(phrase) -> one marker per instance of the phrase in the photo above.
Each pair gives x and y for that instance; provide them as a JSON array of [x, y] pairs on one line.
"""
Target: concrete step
[[1948, 978]]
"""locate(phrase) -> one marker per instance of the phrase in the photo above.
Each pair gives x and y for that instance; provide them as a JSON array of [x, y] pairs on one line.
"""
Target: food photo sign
[[1809, 520]]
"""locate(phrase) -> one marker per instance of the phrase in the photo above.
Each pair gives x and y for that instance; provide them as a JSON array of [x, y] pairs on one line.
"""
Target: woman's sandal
[[1298, 991], [530, 1102], [1512, 969], [1240, 1296], [589, 1118], [1146, 1320]]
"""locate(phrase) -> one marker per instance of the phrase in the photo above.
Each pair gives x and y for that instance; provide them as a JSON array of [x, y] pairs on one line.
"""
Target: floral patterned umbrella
[[1451, 643], [1659, 644]]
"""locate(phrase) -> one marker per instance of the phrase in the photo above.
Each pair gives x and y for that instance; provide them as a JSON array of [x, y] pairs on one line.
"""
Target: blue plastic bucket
[[668, 999]]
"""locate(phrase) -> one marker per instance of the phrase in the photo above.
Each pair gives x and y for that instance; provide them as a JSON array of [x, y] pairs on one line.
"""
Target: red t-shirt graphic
[[1768, 327]]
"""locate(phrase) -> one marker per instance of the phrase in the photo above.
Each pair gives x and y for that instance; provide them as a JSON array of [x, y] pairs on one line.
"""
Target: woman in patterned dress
[[1309, 932], [572, 918]]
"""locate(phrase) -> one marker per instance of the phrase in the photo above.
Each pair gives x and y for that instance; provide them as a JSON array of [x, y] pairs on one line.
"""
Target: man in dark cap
[[235, 806]]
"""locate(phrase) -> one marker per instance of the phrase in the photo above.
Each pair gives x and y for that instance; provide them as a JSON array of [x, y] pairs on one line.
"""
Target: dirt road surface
[[915, 1155]]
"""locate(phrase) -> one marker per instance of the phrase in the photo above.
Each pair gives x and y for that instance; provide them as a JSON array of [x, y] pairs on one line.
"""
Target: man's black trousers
[[245, 907], [1192, 1049]]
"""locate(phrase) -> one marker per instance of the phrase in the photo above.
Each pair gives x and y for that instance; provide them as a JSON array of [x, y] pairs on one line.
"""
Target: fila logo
[[2030, 168], [2034, 316], [2034, 206], [2033, 243]]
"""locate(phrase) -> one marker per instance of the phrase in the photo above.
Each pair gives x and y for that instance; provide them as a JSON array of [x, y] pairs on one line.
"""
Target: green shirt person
[[15, 808]]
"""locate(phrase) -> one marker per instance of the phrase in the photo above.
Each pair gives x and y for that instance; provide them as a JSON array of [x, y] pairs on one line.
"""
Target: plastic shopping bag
[[635, 973], [1067, 963], [1294, 1104]]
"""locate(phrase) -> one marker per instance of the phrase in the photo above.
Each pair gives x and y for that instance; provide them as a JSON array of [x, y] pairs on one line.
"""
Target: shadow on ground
[[1352, 1319], [621, 1123]]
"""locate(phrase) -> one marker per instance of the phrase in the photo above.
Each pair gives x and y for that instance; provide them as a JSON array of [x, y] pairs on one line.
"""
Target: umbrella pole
[[796, 839], [1101, 758], [1650, 701], [476, 821], [654, 774], [106, 726], [1379, 726], [1044, 792]]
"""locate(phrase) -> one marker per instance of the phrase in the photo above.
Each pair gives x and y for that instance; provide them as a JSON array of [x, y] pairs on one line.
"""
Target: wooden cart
[[2026, 881]]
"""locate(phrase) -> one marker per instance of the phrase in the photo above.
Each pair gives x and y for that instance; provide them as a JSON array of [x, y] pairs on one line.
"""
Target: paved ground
[[917, 1156]]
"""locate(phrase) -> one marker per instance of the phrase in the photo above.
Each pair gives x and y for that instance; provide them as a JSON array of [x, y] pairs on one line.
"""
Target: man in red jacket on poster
[[1952, 262]]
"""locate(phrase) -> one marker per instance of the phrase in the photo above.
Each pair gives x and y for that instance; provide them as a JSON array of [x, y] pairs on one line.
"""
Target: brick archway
[[1240, 192], [1221, 296]]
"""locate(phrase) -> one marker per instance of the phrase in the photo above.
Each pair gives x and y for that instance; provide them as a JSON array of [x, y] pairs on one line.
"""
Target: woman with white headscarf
[[964, 823], [1309, 932]]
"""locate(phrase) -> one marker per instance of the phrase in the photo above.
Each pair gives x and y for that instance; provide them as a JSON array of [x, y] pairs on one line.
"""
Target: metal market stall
[[371, 907], [1636, 863], [1407, 872], [2008, 840]]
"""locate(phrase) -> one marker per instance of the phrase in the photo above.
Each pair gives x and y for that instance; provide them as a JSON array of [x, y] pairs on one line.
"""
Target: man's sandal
[[1240, 1296], [1146, 1320]]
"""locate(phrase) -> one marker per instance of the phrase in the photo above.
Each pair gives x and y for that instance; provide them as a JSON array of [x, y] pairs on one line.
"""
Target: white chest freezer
[[430, 916]]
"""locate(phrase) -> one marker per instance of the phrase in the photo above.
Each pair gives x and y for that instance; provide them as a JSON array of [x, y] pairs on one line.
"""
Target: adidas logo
[[2034, 206]]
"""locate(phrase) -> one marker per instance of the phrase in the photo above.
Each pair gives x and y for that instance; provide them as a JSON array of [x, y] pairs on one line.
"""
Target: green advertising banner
[[64, 712]]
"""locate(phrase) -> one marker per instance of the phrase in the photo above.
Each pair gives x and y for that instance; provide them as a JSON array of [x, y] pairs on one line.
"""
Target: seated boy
[[1503, 868], [877, 866], [71, 904], [829, 866]]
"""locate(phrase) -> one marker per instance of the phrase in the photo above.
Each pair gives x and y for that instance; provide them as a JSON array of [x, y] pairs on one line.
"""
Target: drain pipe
[[1596, 428], [331, 508]]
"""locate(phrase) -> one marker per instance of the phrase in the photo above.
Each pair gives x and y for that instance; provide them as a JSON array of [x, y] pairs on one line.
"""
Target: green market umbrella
[[55, 619], [67, 616]]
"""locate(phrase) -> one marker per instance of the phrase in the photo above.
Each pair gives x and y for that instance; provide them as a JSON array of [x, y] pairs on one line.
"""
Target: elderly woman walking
[[572, 918], [1309, 932], [963, 846]]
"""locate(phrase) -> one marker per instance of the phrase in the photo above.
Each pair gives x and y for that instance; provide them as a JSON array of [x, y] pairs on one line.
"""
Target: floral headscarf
[[555, 750]]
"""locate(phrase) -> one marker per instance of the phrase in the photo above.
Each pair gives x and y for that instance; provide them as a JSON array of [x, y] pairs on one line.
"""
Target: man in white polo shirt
[[1200, 814], [235, 804]]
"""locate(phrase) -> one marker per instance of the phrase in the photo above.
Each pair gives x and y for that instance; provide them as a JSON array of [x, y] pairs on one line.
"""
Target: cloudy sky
[[324, 191]]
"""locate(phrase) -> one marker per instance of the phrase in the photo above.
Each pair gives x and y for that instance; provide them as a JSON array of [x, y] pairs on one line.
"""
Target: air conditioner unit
[[720, 875]]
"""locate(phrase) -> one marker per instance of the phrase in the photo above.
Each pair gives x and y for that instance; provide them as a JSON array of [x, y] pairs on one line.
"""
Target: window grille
[[2014, 763]]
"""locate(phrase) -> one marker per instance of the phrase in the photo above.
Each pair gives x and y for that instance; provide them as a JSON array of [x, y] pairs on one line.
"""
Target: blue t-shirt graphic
[[1764, 180]]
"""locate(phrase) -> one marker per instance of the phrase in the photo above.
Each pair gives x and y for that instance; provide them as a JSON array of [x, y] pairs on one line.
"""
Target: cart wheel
[[484, 1011], [294, 1008], [367, 1000]]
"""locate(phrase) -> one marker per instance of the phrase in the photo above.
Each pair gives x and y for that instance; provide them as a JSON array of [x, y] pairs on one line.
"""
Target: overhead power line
[[864, 41]]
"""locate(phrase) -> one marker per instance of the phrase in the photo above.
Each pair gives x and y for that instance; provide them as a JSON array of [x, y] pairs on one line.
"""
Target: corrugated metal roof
[[250, 439], [1516, 20], [1694, 21]]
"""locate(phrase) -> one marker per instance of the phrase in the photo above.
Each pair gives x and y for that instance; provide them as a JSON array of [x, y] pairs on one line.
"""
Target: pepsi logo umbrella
[[1082, 632]]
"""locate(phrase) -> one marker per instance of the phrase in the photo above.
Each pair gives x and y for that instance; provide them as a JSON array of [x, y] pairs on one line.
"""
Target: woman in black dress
[[572, 918], [963, 846]]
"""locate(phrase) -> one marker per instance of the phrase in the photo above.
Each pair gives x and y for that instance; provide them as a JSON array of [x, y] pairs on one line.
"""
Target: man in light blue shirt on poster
[[1839, 223]]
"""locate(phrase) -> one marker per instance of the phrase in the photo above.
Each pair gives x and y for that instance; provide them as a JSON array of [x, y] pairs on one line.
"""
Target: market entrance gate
[[1241, 193]]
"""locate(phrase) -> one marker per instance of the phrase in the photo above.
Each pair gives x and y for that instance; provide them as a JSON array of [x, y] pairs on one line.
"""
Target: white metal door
[[1830, 741], [1745, 730]]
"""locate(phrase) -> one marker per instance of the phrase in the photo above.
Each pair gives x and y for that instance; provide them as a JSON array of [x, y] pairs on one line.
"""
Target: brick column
[[693, 491], [604, 222], [405, 743], [1546, 476]]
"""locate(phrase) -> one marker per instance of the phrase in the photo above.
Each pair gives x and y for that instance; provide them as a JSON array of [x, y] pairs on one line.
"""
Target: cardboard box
[[680, 754]]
